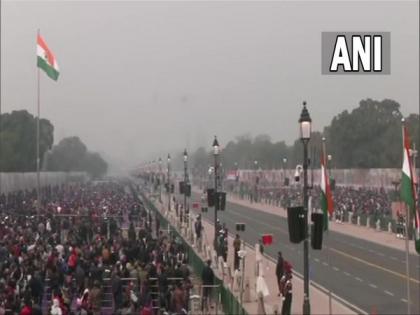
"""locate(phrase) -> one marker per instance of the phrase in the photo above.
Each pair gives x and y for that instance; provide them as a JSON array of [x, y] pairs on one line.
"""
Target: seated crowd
[[87, 249]]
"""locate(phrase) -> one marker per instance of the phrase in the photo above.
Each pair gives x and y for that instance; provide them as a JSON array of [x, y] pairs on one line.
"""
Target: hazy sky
[[138, 78]]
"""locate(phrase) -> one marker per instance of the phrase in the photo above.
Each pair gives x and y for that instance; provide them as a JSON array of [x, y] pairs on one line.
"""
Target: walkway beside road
[[319, 300]]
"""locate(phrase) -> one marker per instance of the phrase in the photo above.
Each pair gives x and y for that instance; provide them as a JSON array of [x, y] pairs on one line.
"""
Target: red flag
[[267, 239]]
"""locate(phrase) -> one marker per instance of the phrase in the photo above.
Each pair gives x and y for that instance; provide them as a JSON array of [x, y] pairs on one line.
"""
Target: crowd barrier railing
[[228, 300]]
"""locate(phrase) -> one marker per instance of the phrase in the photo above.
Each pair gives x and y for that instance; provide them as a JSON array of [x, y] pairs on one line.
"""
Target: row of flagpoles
[[409, 198]]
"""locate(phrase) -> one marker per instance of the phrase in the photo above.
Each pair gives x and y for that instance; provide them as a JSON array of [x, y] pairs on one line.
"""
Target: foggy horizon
[[141, 78]]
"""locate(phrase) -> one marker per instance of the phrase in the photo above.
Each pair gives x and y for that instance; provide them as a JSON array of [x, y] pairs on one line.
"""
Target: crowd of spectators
[[359, 200], [87, 249]]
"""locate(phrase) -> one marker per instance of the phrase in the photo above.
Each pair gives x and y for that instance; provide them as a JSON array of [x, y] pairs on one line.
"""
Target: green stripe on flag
[[50, 71], [407, 192], [324, 207]]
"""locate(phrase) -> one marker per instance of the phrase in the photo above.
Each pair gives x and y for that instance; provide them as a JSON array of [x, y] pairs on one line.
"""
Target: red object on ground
[[196, 205], [267, 239]]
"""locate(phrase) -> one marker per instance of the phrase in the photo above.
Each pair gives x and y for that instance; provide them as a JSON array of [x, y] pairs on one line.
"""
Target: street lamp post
[[284, 170], [236, 178], [221, 175], [305, 123], [185, 185], [169, 182], [160, 180], [256, 180], [330, 174], [210, 171], [215, 154]]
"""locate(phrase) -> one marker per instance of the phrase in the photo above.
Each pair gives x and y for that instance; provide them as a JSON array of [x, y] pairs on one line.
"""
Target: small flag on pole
[[327, 203], [267, 239], [46, 59]]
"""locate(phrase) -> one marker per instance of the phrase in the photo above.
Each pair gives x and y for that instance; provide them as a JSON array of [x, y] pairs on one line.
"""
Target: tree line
[[18, 148], [369, 136]]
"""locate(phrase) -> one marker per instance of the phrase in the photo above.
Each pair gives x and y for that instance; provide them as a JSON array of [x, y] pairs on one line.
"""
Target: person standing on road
[[261, 247], [225, 248], [279, 271], [207, 278], [236, 249], [198, 227], [287, 289]]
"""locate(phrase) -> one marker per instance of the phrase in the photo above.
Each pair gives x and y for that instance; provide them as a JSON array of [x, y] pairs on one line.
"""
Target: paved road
[[366, 274]]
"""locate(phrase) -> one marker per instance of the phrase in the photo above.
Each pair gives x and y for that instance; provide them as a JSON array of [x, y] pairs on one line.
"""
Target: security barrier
[[228, 301]]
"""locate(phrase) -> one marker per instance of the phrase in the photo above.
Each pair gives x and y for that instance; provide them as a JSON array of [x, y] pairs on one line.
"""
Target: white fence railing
[[20, 181], [345, 177]]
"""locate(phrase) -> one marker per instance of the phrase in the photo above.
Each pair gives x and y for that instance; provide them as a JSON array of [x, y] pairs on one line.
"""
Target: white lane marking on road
[[347, 274], [336, 269], [318, 286], [380, 254], [316, 259], [404, 300], [325, 264], [393, 258], [389, 293], [373, 285]]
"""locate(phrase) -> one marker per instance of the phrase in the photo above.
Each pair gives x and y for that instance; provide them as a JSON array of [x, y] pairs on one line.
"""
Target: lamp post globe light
[[216, 152], [185, 185], [305, 124], [236, 177], [169, 182]]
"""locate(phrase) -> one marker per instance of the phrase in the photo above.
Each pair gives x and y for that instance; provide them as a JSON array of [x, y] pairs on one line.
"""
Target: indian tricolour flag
[[408, 191], [326, 196], [46, 59]]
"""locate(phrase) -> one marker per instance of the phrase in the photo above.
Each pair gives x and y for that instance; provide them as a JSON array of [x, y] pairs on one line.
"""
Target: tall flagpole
[[324, 161], [407, 223], [38, 202]]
